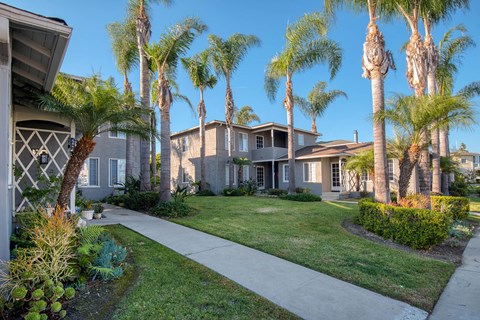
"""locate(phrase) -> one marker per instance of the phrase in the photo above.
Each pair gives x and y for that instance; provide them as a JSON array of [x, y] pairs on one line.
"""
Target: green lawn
[[311, 234], [170, 286], [475, 204]]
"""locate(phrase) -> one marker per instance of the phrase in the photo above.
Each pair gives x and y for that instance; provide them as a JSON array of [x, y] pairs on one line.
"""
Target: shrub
[[249, 187], [117, 199], [141, 200], [457, 208], [180, 194], [416, 201], [108, 263], [232, 192], [98, 208], [172, 209], [459, 188], [417, 228], [205, 193], [461, 230], [276, 192], [303, 197], [299, 190]]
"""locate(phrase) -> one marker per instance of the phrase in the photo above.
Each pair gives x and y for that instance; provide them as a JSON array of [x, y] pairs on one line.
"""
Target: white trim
[[88, 178], [243, 141], [227, 174], [256, 176], [283, 172], [313, 174], [226, 139], [303, 139], [263, 142], [332, 187], [110, 172]]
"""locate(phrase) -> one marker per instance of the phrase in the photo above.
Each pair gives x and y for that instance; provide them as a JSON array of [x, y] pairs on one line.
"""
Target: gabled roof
[[254, 129], [327, 151], [464, 153]]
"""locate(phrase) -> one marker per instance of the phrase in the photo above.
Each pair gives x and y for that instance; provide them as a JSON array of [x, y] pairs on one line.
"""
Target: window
[[116, 134], [464, 160], [475, 159], [301, 139], [309, 172], [260, 177], [246, 173], [88, 176], [391, 173], [259, 140], [243, 142], [365, 176], [117, 172], [227, 174], [184, 175], [184, 144], [286, 172], [226, 139]]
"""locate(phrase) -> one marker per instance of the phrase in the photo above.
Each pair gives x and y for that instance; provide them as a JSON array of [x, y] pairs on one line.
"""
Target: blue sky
[[89, 51]]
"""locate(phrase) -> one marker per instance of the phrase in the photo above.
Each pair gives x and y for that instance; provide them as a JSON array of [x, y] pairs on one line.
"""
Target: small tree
[[240, 162], [361, 163]]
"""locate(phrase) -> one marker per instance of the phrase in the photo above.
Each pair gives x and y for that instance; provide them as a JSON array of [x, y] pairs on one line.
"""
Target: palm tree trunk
[[164, 102], [153, 152], [288, 102], [314, 125], [143, 37], [375, 63], [129, 148], [81, 152], [407, 165], [229, 119], [201, 116], [444, 152]]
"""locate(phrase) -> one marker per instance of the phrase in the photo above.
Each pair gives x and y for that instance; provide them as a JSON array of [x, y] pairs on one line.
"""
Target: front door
[[335, 176], [260, 177]]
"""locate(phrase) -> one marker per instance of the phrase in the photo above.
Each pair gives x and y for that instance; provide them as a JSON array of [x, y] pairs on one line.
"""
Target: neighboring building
[[264, 144], [468, 162], [32, 48]]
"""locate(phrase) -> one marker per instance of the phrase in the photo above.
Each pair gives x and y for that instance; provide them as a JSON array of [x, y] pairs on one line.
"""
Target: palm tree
[[450, 53], [198, 68], [123, 41], [241, 162], [164, 56], [361, 163], [413, 116], [226, 57], [376, 62], [95, 106], [245, 116], [317, 102], [306, 46], [138, 12]]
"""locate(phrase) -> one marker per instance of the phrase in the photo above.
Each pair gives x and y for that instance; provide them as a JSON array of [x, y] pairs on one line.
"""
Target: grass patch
[[475, 204], [310, 234], [170, 286]]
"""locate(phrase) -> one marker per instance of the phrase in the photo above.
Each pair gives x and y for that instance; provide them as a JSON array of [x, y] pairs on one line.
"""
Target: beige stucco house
[[468, 162]]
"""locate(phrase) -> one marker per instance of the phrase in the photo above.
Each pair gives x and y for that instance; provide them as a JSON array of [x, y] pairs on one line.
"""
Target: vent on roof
[[355, 136]]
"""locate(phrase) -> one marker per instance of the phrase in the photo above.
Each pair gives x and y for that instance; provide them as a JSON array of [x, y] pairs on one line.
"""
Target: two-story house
[[468, 162], [264, 145]]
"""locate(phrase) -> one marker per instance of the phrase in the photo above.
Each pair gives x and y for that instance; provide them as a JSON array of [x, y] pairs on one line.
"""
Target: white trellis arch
[[55, 143]]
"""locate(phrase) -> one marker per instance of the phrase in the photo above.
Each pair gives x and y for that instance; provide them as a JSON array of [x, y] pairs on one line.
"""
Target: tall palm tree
[[139, 12], [123, 42], [306, 46], [317, 102], [413, 116], [165, 56], [450, 53], [198, 68], [245, 115], [226, 57], [91, 104], [376, 61]]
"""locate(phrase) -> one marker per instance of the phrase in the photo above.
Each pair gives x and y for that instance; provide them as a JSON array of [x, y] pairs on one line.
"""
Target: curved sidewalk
[[304, 292]]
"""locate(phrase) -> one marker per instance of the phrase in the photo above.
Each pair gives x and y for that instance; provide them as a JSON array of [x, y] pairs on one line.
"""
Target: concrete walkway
[[461, 298], [304, 292]]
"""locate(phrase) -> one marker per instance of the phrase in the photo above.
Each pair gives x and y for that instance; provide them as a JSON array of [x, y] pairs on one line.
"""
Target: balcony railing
[[271, 153]]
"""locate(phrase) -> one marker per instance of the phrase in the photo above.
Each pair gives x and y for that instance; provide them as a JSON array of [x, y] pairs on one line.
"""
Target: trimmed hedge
[[135, 200], [417, 228], [457, 208], [302, 197], [276, 192], [205, 193]]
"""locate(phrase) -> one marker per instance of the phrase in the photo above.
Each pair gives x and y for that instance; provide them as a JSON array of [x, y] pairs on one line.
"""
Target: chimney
[[355, 136]]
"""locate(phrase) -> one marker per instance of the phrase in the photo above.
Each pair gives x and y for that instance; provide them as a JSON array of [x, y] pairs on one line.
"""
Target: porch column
[[5, 140], [340, 172], [273, 159], [74, 190]]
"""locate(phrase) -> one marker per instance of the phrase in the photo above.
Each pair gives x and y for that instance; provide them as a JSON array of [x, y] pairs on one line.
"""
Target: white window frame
[[246, 173], [243, 141], [256, 142], [184, 144], [87, 162], [286, 169], [110, 172], [463, 160], [226, 139], [260, 186], [227, 174], [184, 175], [390, 164], [119, 135], [312, 171], [302, 136]]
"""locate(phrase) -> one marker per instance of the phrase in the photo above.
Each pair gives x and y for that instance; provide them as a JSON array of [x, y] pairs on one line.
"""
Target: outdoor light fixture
[[72, 142], [42, 156]]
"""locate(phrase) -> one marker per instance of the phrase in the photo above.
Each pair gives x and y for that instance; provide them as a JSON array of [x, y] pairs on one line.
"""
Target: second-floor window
[[301, 140], [464, 160], [184, 175], [226, 139], [243, 142], [113, 133], [88, 176], [184, 144], [259, 140]]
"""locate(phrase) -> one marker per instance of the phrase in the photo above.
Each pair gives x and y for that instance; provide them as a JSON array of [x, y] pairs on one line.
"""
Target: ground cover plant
[[170, 286], [311, 234]]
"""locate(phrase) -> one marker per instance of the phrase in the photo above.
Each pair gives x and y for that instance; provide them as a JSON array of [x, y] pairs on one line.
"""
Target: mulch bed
[[450, 250]]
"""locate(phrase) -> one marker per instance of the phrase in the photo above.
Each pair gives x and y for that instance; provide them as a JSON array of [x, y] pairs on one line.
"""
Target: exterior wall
[[106, 148], [315, 187]]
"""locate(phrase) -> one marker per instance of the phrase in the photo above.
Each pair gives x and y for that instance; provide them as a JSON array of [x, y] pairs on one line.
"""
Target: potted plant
[[97, 211], [87, 212]]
